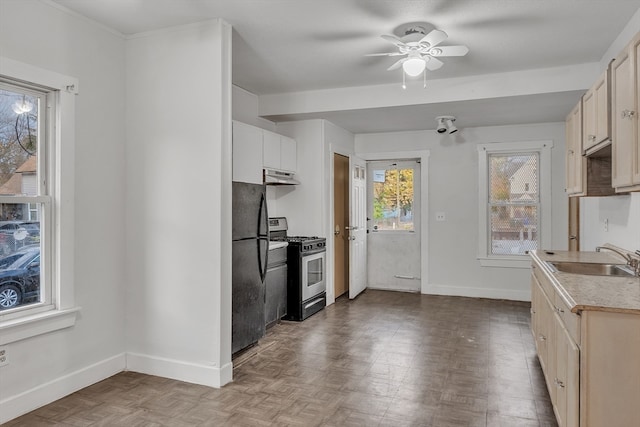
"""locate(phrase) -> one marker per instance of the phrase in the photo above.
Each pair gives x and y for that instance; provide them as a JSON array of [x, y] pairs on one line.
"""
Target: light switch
[[440, 216]]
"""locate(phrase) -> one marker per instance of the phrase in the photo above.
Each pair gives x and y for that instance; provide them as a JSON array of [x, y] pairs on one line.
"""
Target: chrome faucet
[[627, 257], [632, 262]]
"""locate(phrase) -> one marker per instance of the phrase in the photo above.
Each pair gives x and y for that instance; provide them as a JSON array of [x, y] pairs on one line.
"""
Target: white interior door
[[357, 226]]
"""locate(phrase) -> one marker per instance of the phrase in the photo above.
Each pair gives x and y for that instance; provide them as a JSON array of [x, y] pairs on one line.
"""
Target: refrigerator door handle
[[263, 219], [263, 260], [263, 224]]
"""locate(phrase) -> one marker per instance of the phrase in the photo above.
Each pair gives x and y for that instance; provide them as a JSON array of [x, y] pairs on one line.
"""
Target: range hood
[[276, 177]]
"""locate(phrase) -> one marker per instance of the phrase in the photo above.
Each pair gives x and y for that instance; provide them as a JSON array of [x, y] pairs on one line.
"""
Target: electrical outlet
[[3, 357], [440, 216], [606, 224]]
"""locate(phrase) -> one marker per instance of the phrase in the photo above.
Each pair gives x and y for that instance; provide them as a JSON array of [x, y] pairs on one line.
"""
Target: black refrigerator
[[249, 253]]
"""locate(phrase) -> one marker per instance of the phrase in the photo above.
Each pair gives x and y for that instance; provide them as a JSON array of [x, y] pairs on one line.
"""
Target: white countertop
[[276, 245]]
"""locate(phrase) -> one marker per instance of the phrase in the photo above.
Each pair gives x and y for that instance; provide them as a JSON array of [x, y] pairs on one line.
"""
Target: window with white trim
[[514, 211], [23, 196], [36, 170]]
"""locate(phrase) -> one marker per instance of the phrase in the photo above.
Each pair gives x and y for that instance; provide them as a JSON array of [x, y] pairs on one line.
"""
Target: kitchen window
[[36, 226], [514, 211]]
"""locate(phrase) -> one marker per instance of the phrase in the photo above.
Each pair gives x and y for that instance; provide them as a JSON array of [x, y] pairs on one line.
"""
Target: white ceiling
[[283, 46]]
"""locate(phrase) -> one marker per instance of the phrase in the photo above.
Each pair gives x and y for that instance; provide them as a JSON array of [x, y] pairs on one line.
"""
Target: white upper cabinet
[[596, 113], [279, 152], [271, 150], [255, 148], [288, 154], [247, 153], [575, 164], [624, 116]]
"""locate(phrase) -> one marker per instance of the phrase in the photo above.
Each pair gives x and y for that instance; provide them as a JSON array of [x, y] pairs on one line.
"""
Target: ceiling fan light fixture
[[414, 66]]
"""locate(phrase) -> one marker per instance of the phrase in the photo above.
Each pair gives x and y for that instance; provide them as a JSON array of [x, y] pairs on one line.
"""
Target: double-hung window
[[25, 204], [36, 175], [514, 211]]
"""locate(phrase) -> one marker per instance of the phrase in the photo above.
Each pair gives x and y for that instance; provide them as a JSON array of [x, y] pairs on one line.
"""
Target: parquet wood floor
[[385, 359]]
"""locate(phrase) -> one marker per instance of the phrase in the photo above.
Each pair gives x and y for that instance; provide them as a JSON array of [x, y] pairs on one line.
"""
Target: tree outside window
[[392, 198]]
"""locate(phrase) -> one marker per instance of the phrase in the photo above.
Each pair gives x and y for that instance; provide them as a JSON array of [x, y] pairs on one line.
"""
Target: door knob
[[337, 230], [572, 237]]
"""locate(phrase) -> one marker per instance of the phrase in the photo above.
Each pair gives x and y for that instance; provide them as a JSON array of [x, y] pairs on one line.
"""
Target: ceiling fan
[[420, 50]]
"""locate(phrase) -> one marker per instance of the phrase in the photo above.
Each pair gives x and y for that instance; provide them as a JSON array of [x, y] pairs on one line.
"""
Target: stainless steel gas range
[[306, 271]]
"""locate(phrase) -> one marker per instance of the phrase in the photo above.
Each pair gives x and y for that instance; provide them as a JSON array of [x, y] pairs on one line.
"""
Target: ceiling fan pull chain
[[404, 80]]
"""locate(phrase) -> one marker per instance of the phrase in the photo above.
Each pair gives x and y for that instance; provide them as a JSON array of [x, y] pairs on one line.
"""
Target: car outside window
[[23, 138]]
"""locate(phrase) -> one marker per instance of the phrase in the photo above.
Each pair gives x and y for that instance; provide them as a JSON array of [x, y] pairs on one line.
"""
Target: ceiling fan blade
[[449, 51], [432, 63], [434, 37], [394, 40], [385, 54], [396, 64]]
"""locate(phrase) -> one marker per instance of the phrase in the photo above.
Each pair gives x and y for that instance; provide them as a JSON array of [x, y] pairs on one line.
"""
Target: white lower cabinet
[[567, 377], [591, 361]]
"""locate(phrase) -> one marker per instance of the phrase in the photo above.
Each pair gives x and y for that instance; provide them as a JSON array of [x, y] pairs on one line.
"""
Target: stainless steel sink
[[591, 269]]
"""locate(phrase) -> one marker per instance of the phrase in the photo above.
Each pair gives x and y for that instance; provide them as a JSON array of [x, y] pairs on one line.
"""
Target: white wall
[[621, 41], [623, 216], [453, 171], [178, 203], [47, 367], [245, 109], [307, 205], [304, 205]]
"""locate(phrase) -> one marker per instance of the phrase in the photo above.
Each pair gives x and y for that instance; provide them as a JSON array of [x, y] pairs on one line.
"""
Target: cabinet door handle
[[572, 237], [542, 338], [558, 383], [592, 137], [628, 114], [570, 151], [559, 310]]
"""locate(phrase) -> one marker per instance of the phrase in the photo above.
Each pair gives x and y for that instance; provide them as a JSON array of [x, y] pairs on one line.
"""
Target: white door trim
[[423, 156], [357, 226]]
